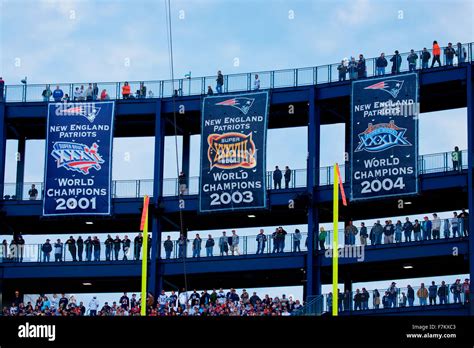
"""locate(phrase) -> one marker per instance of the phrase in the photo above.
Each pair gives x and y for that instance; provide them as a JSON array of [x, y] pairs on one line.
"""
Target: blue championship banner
[[78, 168], [384, 149], [233, 151]]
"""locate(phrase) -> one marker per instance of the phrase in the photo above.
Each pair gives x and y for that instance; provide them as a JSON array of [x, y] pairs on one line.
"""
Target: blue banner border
[[417, 96], [265, 205], [109, 212]]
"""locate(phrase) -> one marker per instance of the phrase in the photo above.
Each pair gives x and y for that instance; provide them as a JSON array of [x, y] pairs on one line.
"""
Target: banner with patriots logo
[[384, 149], [78, 161], [233, 150]]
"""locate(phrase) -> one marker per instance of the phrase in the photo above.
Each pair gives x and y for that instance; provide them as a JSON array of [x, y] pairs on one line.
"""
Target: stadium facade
[[315, 97]]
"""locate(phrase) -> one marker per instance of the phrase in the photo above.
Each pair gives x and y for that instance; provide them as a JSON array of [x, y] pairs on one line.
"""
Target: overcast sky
[[111, 40]]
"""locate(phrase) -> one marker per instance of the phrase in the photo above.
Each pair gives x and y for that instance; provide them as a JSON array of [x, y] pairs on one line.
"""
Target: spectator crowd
[[204, 303], [393, 297], [231, 244]]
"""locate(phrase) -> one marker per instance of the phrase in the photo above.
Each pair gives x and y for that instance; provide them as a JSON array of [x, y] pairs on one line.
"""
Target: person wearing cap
[[46, 248]]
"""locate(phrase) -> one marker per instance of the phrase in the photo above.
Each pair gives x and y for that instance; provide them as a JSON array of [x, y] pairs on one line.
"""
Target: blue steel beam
[[20, 166], [155, 280], [3, 145], [313, 281], [106, 269], [245, 263], [470, 146], [438, 310], [404, 251], [186, 156]]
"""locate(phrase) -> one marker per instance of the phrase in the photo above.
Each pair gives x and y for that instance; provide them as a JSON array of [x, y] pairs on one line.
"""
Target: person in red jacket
[[436, 54]]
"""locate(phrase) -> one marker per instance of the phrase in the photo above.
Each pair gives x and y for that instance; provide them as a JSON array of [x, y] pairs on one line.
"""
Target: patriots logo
[[381, 137], [392, 87], [88, 111], [77, 157], [241, 103]]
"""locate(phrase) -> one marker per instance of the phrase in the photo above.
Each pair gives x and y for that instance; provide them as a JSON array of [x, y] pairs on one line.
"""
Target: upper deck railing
[[430, 163], [232, 82]]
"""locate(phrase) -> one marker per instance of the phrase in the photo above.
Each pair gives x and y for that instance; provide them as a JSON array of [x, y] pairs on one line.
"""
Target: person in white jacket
[[93, 305], [436, 226], [183, 299]]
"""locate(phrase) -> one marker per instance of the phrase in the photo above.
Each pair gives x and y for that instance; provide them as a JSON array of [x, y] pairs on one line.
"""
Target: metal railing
[[232, 82], [35, 253], [314, 306], [447, 231], [222, 246], [431, 163], [247, 245], [398, 298]]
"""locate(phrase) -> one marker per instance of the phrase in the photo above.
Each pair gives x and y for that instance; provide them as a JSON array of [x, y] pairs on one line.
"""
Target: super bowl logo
[[381, 137], [77, 157], [231, 150]]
